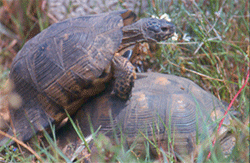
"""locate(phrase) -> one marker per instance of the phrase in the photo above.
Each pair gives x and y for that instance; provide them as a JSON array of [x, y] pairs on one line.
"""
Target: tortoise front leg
[[124, 74]]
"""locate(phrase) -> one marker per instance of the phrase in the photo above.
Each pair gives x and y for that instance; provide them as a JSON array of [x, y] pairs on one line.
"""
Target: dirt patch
[[62, 9]]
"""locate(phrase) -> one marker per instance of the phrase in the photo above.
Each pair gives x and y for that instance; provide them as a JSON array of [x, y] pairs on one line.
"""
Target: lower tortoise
[[162, 107], [70, 61]]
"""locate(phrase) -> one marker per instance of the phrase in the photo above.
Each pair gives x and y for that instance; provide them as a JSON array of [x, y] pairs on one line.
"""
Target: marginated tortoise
[[70, 61], [162, 107]]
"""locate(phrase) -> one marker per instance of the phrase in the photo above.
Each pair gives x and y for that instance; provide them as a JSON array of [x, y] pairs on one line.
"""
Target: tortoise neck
[[132, 34]]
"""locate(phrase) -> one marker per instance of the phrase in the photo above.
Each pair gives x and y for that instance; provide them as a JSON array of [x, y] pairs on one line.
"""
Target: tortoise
[[70, 61], [162, 107]]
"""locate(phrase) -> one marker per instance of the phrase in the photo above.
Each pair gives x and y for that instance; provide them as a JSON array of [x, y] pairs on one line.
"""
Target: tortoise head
[[156, 29]]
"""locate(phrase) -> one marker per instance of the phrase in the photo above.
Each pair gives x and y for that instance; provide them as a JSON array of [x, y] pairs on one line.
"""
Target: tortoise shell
[[56, 69], [162, 107], [64, 65], [60, 64]]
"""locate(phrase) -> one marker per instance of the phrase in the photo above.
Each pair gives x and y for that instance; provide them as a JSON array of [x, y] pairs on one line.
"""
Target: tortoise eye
[[155, 28]]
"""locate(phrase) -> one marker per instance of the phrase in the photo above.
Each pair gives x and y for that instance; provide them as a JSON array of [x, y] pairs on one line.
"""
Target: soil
[[62, 9]]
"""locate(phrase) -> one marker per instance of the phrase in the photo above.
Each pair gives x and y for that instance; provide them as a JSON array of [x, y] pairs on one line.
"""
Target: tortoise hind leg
[[124, 74], [27, 121]]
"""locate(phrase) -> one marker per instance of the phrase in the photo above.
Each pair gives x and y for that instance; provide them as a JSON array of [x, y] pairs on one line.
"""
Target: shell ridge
[[31, 72], [59, 52]]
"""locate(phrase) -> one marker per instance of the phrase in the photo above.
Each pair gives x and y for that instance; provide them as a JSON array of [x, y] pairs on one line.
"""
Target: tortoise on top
[[70, 61]]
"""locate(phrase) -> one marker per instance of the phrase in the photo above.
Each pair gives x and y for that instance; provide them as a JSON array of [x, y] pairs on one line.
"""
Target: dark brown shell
[[163, 107], [60, 68]]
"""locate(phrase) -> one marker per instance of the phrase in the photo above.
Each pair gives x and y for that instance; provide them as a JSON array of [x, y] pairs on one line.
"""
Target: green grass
[[216, 57]]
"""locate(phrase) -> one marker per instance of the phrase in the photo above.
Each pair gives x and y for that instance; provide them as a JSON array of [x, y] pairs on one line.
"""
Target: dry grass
[[212, 50]]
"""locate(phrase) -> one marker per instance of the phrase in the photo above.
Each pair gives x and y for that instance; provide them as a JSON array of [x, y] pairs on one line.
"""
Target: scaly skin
[[124, 74]]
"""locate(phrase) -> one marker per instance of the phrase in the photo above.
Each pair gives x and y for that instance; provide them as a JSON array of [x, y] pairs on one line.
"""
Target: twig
[[177, 43], [230, 105], [44, 3], [81, 147], [200, 45], [14, 132], [236, 16], [22, 144]]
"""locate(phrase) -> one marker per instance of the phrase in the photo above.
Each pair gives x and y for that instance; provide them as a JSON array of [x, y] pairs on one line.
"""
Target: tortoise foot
[[124, 74]]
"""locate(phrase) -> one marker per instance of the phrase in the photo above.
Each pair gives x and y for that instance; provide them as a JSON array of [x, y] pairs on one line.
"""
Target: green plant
[[212, 49]]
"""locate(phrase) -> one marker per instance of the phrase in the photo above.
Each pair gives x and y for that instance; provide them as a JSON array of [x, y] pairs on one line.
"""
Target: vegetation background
[[212, 49]]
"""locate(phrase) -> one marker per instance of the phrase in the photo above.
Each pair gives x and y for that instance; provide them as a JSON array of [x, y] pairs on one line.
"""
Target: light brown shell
[[163, 107]]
